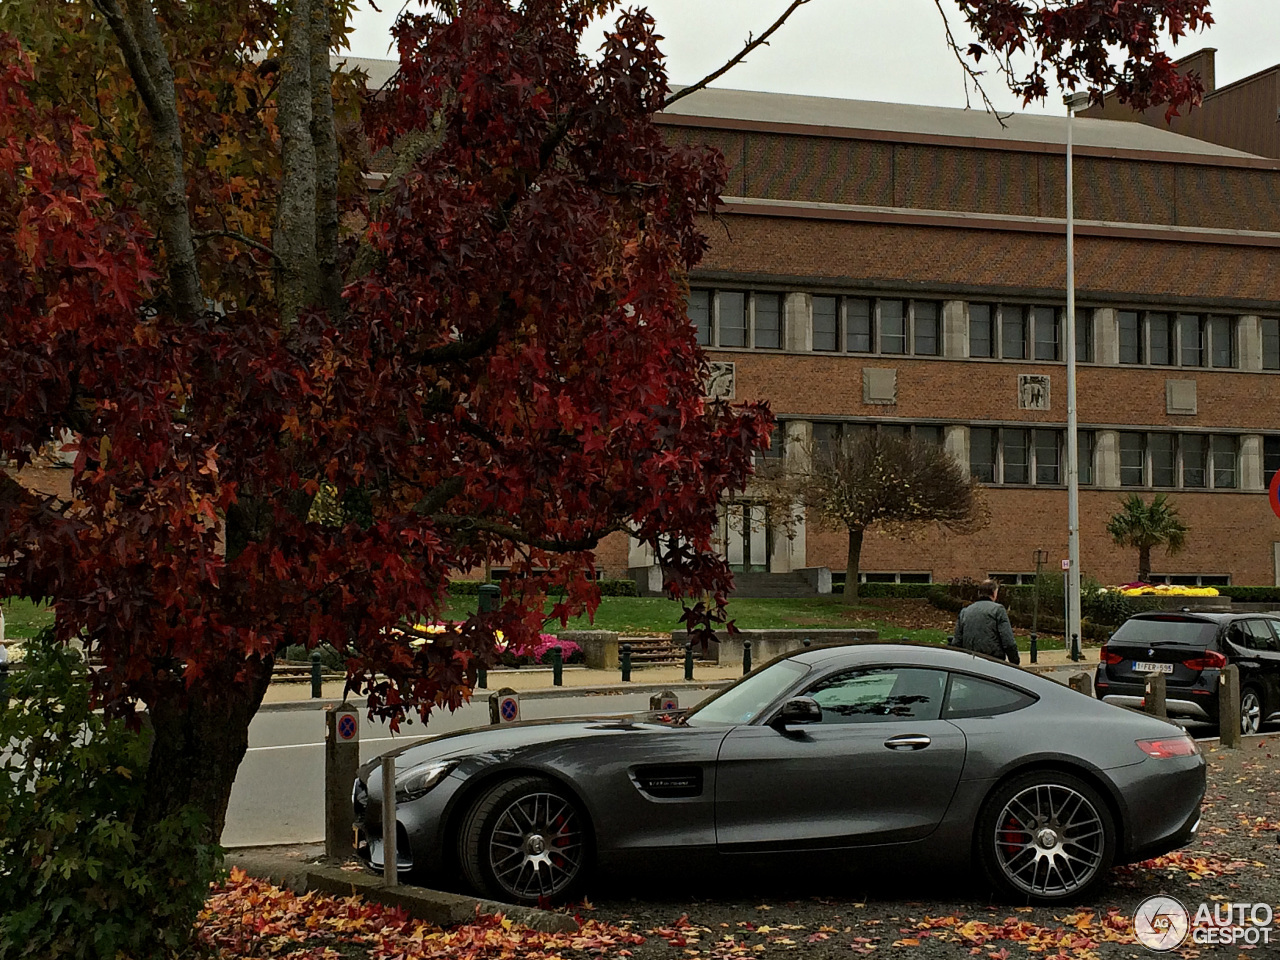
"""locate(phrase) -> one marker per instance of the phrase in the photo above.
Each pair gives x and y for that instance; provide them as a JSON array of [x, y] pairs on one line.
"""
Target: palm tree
[[1145, 526]]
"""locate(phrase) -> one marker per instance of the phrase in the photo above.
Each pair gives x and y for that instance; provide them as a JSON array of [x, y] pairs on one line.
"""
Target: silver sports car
[[866, 753]]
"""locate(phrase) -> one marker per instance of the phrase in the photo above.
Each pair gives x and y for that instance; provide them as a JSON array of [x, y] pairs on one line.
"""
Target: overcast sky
[[891, 50]]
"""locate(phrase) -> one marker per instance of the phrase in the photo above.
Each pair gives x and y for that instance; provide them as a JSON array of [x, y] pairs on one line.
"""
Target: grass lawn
[[659, 615], [24, 619]]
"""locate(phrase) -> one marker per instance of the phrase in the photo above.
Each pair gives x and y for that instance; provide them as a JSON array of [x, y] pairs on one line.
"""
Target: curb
[[435, 906]]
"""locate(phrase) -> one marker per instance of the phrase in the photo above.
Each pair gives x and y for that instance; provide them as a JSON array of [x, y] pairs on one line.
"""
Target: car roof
[[929, 654], [1198, 615]]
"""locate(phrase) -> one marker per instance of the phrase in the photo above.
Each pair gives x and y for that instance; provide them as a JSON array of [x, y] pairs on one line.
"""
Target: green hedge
[[608, 588], [899, 590], [1252, 594]]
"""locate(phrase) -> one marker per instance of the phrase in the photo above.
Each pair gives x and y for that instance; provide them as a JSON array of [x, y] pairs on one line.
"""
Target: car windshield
[[1164, 631], [742, 702]]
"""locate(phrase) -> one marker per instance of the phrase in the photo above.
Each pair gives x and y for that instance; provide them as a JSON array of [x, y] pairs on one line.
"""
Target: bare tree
[[895, 483]]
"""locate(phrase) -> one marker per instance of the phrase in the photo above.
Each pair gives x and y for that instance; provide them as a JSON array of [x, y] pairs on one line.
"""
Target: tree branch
[[459, 350], [436, 498], [239, 237], [519, 536], [148, 62], [972, 74], [742, 55]]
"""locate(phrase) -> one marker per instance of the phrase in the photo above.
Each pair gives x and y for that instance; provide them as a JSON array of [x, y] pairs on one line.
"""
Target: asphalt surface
[[1235, 858]]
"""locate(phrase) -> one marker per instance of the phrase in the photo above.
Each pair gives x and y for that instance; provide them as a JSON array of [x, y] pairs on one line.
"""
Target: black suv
[[1191, 649]]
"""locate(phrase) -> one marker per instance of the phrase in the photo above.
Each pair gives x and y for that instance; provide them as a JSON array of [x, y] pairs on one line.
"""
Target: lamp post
[[1074, 102]]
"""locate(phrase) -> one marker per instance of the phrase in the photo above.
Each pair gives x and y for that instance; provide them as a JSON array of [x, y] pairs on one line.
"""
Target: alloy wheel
[[536, 846], [1250, 712], [1050, 840]]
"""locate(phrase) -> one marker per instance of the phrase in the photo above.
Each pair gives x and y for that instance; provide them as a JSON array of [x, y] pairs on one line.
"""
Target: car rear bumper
[[1199, 702], [1174, 707], [1163, 797]]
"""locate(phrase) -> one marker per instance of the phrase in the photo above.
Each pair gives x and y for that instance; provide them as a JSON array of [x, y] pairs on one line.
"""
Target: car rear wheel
[[1045, 837], [525, 841], [1250, 710]]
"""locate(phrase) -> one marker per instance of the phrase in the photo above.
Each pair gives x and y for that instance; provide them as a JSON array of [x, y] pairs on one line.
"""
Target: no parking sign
[[346, 726], [1273, 494], [504, 706]]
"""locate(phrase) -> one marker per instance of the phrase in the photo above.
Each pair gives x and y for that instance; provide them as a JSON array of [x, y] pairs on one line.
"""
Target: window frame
[[1031, 448], [1215, 477], [1162, 339], [715, 322]]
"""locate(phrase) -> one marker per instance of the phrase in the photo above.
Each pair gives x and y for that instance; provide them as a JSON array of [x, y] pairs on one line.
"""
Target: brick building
[[902, 268]]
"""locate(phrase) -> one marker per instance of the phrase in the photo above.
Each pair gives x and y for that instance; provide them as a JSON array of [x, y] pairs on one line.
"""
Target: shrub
[[898, 590], [76, 880], [1251, 594]]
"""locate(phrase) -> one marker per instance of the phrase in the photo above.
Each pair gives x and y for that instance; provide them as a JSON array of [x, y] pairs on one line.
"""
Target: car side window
[[1237, 634], [871, 696], [1260, 635], [972, 697]]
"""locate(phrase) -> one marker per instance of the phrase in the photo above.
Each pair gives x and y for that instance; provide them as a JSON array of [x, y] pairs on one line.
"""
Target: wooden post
[[1082, 682], [1229, 706], [1153, 702], [390, 875], [341, 761]]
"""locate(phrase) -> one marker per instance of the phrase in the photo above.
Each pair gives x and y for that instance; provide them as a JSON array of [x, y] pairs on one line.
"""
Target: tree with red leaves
[[297, 408]]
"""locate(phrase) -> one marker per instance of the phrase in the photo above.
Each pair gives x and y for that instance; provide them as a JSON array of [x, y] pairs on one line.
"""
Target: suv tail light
[[1167, 747], [1107, 656], [1209, 660]]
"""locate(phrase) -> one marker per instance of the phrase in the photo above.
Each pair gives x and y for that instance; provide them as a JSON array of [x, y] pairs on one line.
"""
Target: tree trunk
[[1144, 564], [199, 740], [851, 565]]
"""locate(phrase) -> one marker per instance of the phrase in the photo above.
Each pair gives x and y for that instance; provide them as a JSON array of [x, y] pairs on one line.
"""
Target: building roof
[[829, 112], [870, 115]]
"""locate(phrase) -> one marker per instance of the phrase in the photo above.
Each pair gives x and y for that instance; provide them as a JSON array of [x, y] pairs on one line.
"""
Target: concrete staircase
[[659, 652], [777, 585]]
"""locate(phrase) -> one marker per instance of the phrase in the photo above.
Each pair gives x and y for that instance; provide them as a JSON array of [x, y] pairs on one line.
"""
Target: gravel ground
[[1235, 858]]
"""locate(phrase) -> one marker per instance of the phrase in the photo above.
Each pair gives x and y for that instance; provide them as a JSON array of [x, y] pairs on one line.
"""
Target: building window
[[925, 328], [1085, 442], [1192, 579], [731, 318], [1015, 455], [1013, 332], [826, 324], [893, 326], [1270, 458], [891, 577], [768, 320], [1270, 343], [1084, 336], [858, 332], [1189, 340], [1045, 325], [700, 315], [981, 329], [777, 443], [1190, 461], [1011, 579], [1130, 337]]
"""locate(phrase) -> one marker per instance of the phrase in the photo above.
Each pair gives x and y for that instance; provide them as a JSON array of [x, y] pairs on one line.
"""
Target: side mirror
[[797, 710]]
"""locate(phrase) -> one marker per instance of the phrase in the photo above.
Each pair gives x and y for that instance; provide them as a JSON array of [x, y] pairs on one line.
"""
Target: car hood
[[505, 739]]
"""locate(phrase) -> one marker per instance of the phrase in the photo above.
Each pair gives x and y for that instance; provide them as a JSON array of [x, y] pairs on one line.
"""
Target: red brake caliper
[[1009, 837]]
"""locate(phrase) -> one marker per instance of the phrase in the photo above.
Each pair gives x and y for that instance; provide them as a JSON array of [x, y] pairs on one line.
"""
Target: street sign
[[348, 727], [1066, 564], [504, 706], [1273, 494], [666, 700]]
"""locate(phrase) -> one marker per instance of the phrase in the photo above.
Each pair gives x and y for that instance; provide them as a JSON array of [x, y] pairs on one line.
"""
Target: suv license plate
[[1141, 666]]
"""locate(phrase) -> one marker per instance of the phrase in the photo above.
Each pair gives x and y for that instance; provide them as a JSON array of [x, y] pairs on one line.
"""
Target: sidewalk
[[579, 681]]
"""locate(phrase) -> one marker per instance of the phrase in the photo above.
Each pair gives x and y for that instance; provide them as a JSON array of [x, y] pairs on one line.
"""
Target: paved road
[[279, 791]]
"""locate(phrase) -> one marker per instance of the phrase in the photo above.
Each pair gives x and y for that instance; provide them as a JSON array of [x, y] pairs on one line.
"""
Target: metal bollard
[[488, 596], [317, 684], [482, 678], [808, 642], [626, 663], [557, 667], [1035, 648], [390, 876], [746, 657], [4, 685], [1229, 707], [1076, 655], [688, 660]]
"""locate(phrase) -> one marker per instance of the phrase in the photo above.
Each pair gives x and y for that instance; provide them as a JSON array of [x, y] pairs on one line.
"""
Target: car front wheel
[[1045, 837], [1250, 711], [525, 841]]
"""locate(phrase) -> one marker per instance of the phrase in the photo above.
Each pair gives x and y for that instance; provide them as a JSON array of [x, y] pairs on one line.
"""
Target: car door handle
[[908, 741]]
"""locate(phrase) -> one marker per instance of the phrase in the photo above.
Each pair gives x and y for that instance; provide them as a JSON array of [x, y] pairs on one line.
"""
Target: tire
[[1045, 837], [525, 841], [1251, 710]]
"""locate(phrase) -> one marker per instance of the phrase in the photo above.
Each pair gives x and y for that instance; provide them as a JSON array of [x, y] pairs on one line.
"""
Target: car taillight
[[1209, 660], [1169, 747], [1106, 656]]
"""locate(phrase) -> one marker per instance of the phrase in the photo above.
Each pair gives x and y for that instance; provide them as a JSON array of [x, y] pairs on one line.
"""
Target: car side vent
[[671, 781]]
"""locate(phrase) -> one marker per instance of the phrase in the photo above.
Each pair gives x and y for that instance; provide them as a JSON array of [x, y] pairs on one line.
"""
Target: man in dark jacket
[[983, 626]]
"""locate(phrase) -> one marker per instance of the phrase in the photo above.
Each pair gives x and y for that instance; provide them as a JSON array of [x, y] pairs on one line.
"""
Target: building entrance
[[745, 534]]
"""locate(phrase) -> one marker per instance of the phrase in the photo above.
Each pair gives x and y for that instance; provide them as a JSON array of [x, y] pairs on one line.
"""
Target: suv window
[[1260, 636], [971, 697], [1166, 630], [869, 696]]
